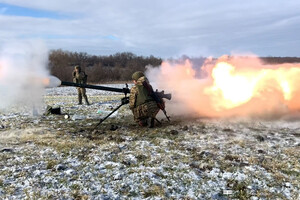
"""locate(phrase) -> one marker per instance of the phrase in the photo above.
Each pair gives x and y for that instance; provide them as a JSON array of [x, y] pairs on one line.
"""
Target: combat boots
[[143, 123], [86, 100], [152, 121]]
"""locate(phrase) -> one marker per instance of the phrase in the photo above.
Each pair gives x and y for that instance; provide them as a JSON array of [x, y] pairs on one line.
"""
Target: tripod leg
[[102, 120], [157, 120]]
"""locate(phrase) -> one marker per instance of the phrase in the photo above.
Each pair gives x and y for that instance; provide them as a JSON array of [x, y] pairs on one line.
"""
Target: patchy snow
[[54, 157]]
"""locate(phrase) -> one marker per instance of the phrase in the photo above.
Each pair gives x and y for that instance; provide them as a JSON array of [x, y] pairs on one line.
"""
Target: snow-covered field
[[50, 157]]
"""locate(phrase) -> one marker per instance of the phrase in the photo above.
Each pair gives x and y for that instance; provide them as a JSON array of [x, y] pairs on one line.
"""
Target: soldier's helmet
[[137, 75], [77, 67]]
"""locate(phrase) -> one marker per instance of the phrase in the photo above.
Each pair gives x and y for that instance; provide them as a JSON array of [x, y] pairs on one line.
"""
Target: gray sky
[[164, 28]]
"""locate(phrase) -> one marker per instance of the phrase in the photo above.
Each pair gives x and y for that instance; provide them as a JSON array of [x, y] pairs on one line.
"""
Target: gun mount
[[159, 95]]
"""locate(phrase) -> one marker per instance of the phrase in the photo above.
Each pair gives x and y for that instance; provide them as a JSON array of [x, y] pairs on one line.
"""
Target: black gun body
[[125, 90], [96, 87]]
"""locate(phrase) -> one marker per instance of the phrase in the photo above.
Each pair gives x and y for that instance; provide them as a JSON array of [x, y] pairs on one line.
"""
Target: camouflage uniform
[[142, 105], [80, 77]]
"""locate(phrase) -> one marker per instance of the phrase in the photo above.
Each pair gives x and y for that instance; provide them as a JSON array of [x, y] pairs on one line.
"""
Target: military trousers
[[82, 93], [145, 110]]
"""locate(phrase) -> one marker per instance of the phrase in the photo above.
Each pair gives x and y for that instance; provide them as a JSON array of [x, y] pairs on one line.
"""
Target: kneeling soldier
[[142, 105]]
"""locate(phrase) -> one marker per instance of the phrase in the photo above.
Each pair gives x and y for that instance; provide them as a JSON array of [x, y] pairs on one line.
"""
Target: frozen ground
[[50, 157]]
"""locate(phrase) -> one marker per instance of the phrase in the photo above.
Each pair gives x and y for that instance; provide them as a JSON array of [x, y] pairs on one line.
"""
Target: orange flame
[[232, 89], [234, 86], [46, 82]]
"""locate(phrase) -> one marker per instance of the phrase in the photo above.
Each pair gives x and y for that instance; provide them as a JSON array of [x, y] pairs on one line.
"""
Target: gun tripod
[[124, 100]]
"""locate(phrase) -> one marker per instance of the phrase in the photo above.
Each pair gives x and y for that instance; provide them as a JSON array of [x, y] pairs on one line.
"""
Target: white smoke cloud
[[23, 66]]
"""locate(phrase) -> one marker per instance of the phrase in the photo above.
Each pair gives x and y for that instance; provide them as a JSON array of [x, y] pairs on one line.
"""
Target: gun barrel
[[96, 87]]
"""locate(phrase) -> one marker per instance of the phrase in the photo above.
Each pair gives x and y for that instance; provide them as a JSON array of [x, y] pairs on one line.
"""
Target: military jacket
[[79, 77], [139, 94]]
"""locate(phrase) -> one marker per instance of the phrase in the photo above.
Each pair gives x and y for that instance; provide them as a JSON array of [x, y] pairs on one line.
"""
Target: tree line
[[280, 60], [100, 69], [119, 66]]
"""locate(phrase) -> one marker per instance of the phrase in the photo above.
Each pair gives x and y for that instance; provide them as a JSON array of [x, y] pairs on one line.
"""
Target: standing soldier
[[81, 78], [141, 104]]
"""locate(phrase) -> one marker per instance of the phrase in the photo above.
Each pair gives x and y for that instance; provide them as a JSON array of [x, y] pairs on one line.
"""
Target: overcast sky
[[164, 28]]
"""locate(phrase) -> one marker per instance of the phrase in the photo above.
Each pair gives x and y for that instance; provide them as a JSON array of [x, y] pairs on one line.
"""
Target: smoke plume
[[23, 67], [229, 86]]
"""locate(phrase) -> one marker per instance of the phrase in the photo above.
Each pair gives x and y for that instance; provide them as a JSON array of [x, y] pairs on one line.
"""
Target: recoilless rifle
[[158, 96]]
